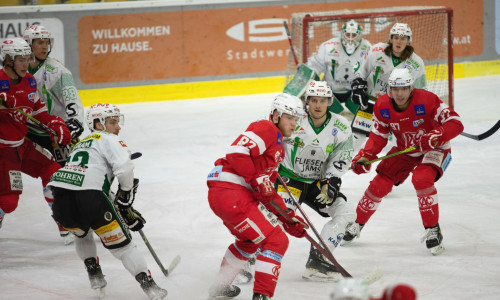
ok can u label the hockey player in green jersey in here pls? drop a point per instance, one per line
(317, 154)
(55, 86)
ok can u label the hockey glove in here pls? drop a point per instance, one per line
(293, 224)
(132, 218)
(125, 199)
(358, 163)
(8, 101)
(62, 136)
(263, 188)
(330, 189)
(75, 128)
(431, 139)
(359, 95)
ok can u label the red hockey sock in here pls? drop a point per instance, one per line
(379, 187)
(428, 206)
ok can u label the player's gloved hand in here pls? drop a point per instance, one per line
(125, 199)
(431, 139)
(330, 189)
(359, 95)
(293, 224)
(357, 164)
(263, 188)
(63, 136)
(132, 218)
(75, 128)
(8, 101)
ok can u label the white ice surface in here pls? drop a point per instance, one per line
(180, 140)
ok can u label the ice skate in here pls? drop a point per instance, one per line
(150, 287)
(319, 269)
(352, 231)
(434, 239)
(97, 281)
(258, 296)
(223, 292)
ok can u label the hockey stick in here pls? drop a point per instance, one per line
(45, 127)
(483, 135)
(291, 44)
(323, 248)
(390, 155)
(172, 265)
(176, 259)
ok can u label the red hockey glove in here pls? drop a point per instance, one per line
(8, 101)
(293, 224)
(431, 139)
(63, 136)
(263, 188)
(357, 164)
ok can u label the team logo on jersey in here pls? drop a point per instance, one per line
(4, 85)
(335, 131)
(417, 123)
(279, 138)
(32, 82)
(385, 113)
(31, 97)
(122, 143)
(419, 109)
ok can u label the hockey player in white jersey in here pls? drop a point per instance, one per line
(83, 203)
(338, 59)
(317, 154)
(55, 86)
(372, 77)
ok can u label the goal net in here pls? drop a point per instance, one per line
(432, 28)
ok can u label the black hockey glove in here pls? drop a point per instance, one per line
(330, 189)
(75, 128)
(359, 95)
(125, 199)
(132, 218)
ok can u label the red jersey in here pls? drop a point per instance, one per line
(258, 150)
(425, 112)
(13, 126)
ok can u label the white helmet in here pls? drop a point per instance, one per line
(400, 77)
(288, 104)
(101, 111)
(350, 288)
(14, 47)
(37, 32)
(351, 36)
(401, 29)
(319, 89)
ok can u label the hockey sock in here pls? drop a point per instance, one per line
(131, 258)
(379, 187)
(85, 247)
(234, 260)
(428, 206)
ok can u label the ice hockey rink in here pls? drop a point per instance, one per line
(180, 140)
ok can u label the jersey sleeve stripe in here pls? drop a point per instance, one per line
(238, 149)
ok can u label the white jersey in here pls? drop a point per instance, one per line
(377, 67)
(317, 153)
(55, 86)
(337, 65)
(93, 164)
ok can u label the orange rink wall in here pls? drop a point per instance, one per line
(215, 44)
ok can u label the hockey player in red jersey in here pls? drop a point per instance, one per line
(418, 118)
(18, 93)
(241, 193)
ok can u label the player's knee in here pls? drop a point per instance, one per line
(8, 203)
(423, 177)
(380, 186)
(277, 241)
(120, 252)
(246, 248)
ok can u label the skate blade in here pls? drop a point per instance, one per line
(314, 275)
(437, 250)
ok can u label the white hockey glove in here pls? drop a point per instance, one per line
(125, 199)
(329, 191)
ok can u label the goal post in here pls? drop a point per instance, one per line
(432, 37)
